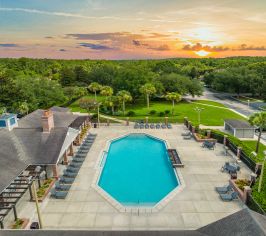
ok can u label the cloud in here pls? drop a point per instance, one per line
(163, 47)
(199, 46)
(62, 50)
(136, 42)
(48, 37)
(245, 47)
(95, 46)
(58, 13)
(8, 45)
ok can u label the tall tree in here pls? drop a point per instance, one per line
(110, 101)
(95, 87)
(258, 119)
(148, 89)
(107, 91)
(124, 96)
(174, 97)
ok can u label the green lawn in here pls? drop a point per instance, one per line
(212, 116)
(252, 145)
(207, 102)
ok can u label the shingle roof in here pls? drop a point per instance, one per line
(239, 124)
(79, 121)
(245, 223)
(27, 144)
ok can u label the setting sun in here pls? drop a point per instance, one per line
(202, 53)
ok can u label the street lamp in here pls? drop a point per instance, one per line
(98, 112)
(199, 110)
(261, 173)
(38, 175)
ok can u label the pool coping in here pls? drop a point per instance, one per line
(134, 209)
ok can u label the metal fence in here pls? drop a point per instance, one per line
(253, 205)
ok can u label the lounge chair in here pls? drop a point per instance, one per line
(75, 164)
(187, 133)
(187, 137)
(147, 126)
(169, 126)
(79, 160)
(136, 126)
(68, 174)
(141, 126)
(224, 189)
(58, 194)
(163, 126)
(66, 180)
(229, 196)
(72, 169)
(157, 126)
(62, 187)
(152, 126)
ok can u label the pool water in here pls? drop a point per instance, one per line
(137, 170)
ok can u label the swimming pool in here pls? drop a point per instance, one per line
(137, 170)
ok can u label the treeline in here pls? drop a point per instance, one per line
(28, 84)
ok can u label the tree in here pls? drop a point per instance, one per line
(67, 76)
(87, 104)
(124, 96)
(106, 91)
(148, 89)
(174, 97)
(2, 110)
(258, 119)
(95, 87)
(110, 102)
(23, 108)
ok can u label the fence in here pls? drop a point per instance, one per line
(253, 205)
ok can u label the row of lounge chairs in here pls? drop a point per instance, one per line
(175, 158)
(63, 185)
(152, 126)
(227, 193)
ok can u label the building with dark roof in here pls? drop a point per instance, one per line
(239, 128)
(42, 138)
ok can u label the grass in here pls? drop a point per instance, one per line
(210, 116)
(252, 145)
(207, 102)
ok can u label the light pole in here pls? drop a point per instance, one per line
(261, 173)
(40, 174)
(199, 110)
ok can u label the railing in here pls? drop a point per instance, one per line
(253, 205)
(250, 163)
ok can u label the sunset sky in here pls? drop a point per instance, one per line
(132, 29)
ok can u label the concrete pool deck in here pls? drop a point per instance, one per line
(195, 206)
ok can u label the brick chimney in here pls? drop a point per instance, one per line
(47, 121)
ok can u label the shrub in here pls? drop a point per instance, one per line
(166, 112)
(131, 113)
(152, 112)
(161, 113)
(241, 183)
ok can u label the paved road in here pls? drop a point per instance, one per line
(225, 99)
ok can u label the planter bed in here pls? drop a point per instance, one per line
(202, 139)
(20, 224)
(47, 190)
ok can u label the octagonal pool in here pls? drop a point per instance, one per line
(137, 170)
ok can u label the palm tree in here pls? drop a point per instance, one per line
(124, 96)
(174, 97)
(110, 102)
(23, 108)
(107, 91)
(148, 89)
(95, 87)
(258, 119)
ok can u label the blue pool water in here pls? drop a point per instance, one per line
(137, 170)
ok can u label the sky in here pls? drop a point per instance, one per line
(132, 29)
